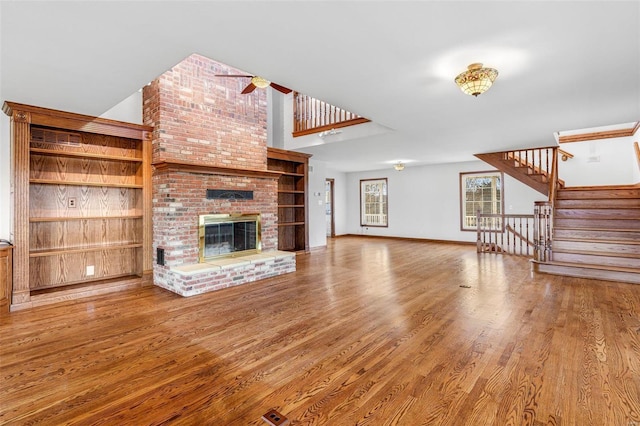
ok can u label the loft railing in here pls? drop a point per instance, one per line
(505, 233)
(311, 115)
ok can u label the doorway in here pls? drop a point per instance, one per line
(329, 205)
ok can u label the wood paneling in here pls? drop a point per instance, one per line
(52, 201)
(70, 268)
(73, 234)
(370, 331)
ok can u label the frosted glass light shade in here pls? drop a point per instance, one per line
(476, 79)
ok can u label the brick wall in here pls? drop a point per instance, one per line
(200, 117)
(203, 119)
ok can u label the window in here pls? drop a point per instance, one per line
(481, 191)
(373, 202)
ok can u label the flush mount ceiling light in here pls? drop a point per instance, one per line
(399, 166)
(476, 79)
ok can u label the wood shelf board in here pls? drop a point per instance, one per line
(77, 183)
(74, 218)
(56, 252)
(288, 206)
(290, 223)
(71, 154)
(285, 191)
(89, 287)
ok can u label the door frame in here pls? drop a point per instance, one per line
(331, 182)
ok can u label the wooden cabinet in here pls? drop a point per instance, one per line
(83, 185)
(293, 232)
(6, 274)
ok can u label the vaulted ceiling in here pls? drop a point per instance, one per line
(563, 65)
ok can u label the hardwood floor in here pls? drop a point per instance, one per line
(370, 332)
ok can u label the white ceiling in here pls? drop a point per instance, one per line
(563, 65)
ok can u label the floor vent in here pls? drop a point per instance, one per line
(273, 418)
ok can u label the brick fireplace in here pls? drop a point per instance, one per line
(208, 136)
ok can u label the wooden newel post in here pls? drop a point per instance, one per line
(478, 236)
(542, 230)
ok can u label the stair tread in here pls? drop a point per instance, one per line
(574, 228)
(597, 253)
(597, 240)
(599, 217)
(590, 266)
(622, 207)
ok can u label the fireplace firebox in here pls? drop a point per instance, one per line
(228, 235)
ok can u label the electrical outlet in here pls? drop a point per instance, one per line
(90, 270)
(71, 202)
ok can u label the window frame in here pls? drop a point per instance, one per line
(462, 195)
(364, 182)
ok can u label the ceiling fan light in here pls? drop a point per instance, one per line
(260, 82)
(476, 80)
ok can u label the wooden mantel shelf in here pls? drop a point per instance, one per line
(184, 166)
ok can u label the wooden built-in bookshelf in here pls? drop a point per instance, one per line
(82, 202)
(293, 232)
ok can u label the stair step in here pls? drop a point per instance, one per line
(628, 249)
(598, 213)
(619, 274)
(585, 203)
(575, 193)
(614, 223)
(596, 259)
(597, 234)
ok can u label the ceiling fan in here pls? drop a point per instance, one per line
(257, 82)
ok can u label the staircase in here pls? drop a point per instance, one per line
(530, 166)
(596, 234)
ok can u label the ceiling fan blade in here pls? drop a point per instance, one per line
(233, 75)
(250, 88)
(281, 88)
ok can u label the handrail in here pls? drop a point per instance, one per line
(311, 115)
(505, 233)
(565, 155)
(637, 148)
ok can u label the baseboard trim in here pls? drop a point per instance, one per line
(426, 240)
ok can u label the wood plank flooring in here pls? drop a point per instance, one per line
(370, 331)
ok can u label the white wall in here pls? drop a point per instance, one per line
(340, 200)
(424, 202)
(599, 162)
(129, 110)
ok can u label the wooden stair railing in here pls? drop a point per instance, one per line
(311, 115)
(534, 167)
(637, 149)
(505, 233)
